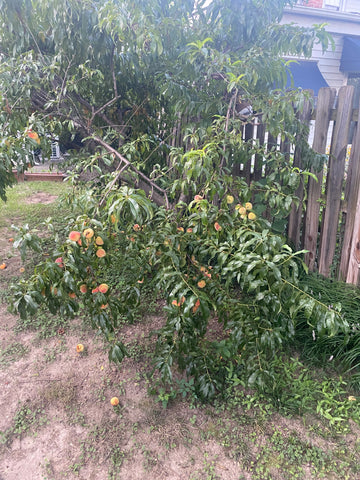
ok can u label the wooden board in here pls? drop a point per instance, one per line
(295, 218)
(325, 102)
(335, 179)
(349, 270)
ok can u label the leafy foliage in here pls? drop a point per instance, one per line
(142, 83)
(230, 284)
(152, 95)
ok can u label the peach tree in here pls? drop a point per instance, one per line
(149, 96)
(230, 284)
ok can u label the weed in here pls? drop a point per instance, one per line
(11, 353)
(48, 470)
(102, 443)
(286, 453)
(62, 392)
(51, 352)
(28, 418)
(117, 457)
(45, 324)
(208, 472)
(165, 395)
(150, 458)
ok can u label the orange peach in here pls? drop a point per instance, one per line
(33, 136)
(100, 253)
(74, 236)
(59, 262)
(88, 233)
(103, 288)
(99, 241)
(196, 306)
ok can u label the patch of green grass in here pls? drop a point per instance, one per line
(64, 395)
(208, 472)
(27, 420)
(48, 470)
(343, 351)
(284, 455)
(44, 323)
(11, 353)
(32, 213)
(101, 444)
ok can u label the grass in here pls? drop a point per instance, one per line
(43, 323)
(343, 351)
(32, 213)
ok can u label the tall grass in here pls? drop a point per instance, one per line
(342, 351)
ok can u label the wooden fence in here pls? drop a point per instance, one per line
(328, 227)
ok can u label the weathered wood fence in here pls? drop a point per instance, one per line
(329, 225)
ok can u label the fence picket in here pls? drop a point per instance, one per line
(335, 178)
(304, 229)
(350, 258)
(294, 225)
(325, 102)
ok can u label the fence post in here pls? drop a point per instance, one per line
(325, 102)
(350, 253)
(296, 211)
(335, 179)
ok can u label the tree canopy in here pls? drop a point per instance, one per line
(140, 81)
(157, 95)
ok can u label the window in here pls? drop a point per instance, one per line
(346, 6)
(333, 3)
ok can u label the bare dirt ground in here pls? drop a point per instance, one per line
(56, 420)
